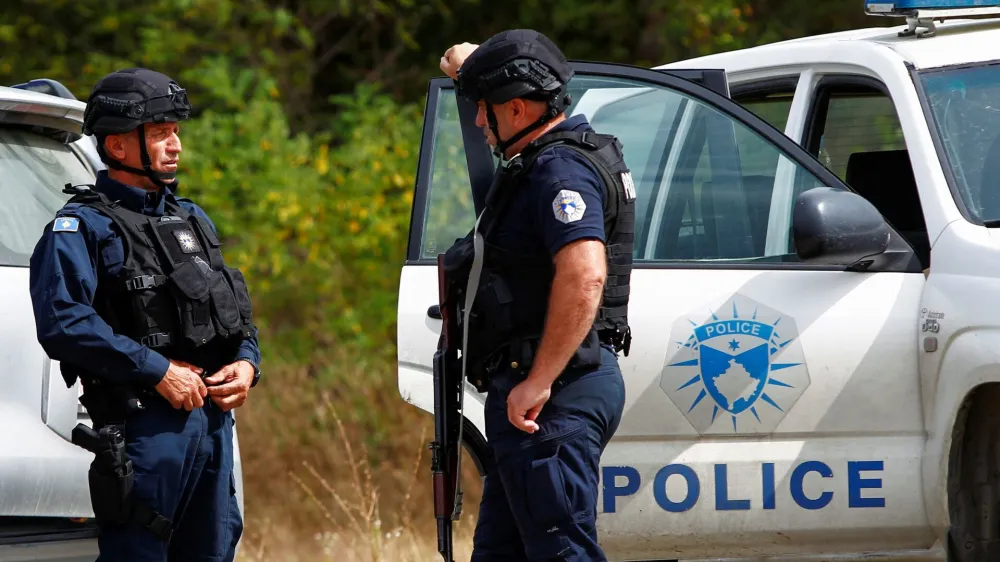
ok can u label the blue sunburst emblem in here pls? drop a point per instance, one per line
(739, 370)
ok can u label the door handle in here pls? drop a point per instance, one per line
(434, 312)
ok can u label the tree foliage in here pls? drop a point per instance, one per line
(307, 119)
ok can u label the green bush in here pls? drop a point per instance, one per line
(318, 225)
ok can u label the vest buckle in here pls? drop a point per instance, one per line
(155, 340)
(140, 283)
(587, 143)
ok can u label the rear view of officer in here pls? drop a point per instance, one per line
(132, 296)
(549, 314)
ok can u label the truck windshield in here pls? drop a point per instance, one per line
(965, 105)
(33, 170)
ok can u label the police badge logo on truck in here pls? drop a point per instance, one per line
(737, 371)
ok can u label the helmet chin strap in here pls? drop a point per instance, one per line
(161, 179)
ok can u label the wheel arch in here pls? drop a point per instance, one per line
(475, 444)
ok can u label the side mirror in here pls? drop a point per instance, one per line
(838, 227)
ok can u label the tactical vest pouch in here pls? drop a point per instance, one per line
(231, 305)
(224, 311)
(190, 283)
(242, 294)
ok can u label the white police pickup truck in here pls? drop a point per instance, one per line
(44, 495)
(813, 373)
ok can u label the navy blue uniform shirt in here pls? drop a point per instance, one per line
(66, 267)
(559, 201)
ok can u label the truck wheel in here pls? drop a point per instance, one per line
(974, 479)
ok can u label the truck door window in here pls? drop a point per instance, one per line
(643, 118)
(855, 131)
(33, 170)
(718, 203)
(450, 212)
(771, 100)
(852, 119)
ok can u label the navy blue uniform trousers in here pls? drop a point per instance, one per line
(183, 463)
(540, 501)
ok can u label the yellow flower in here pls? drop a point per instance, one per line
(322, 162)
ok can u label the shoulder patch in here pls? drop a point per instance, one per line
(66, 224)
(568, 206)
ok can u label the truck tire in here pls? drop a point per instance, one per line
(974, 479)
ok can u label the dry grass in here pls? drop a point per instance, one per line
(341, 476)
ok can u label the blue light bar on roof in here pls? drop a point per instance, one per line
(935, 4)
(908, 7)
(923, 13)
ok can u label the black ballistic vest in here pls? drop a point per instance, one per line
(174, 292)
(505, 327)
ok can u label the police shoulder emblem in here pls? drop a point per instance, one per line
(737, 371)
(568, 206)
(66, 224)
(188, 242)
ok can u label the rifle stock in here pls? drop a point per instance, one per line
(445, 447)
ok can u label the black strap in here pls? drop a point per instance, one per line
(106, 206)
(605, 313)
(162, 527)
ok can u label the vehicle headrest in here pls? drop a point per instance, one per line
(885, 178)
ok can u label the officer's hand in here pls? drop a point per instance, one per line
(230, 385)
(182, 386)
(454, 57)
(524, 403)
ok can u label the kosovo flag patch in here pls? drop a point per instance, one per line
(66, 224)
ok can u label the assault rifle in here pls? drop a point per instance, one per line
(448, 388)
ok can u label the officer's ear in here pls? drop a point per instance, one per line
(525, 112)
(116, 146)
(520, 112)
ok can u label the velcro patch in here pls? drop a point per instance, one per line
(189, 244)
(66, 224)
(568, 206)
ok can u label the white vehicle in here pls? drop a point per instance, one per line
(832, 404)
(45, 505)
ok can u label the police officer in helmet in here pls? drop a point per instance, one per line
(132, 296)
(549, 313)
